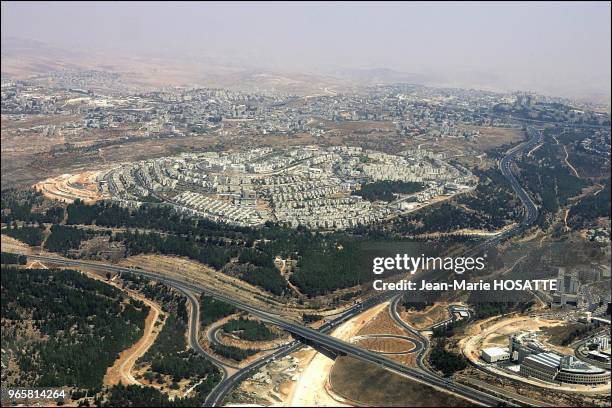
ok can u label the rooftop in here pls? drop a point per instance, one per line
(495, 351)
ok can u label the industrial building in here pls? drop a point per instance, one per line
(543, 366)
(552, 367)
(599, 356)
(495, 354)
(538, 362)
(523, 345)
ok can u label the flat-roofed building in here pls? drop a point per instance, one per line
(495, 354)
(597, 355)
(552, 367)
(543, 366)
(574, 371)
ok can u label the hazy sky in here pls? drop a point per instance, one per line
(537, 46)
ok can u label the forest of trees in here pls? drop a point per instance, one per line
(491, 206)
(170, 299)
(418, 306)
(324, 262)
(250, 330)
(487, 309)
(311, 318)
(549, 181)
(212, 310)
(386, 190)
(145, 243)
(64, 238)
(493, 198)
(137, 396)
(588, 210)
(327, 265)
(445, 361)
(320, 267)
(261, 271)
(30, 235)
(231, 352)
(13, 259)
(169, 355)
(73, 313)
(216, 243)
(17, 205)
(158, 218)
(267, 278)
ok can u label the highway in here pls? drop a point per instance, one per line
(424, 341)
(530, 214)
(194, 325)
(212, 335)
(215, 398)
(305, 333)
(531, 211)
(320, 337)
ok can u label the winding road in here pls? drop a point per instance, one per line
(320, 337)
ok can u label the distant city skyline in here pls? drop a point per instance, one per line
(560, 48)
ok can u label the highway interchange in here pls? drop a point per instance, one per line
(320, 338)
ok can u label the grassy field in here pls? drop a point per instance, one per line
(368, 384)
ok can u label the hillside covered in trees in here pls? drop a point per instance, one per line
(61, 328)
(250, 330)
(170, 359)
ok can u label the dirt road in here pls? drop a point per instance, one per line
(121, 370)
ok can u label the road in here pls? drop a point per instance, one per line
(530, 210)
(530, 215)
(212, 335)
(194, 325)
(121, 370)
(304, 333)
(320, 337)
(423, 341)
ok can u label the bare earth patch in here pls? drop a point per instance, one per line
(424, 319)
(310, 390)
(121, 370)
(370, 385)
(10, 244)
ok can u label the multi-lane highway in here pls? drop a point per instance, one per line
(305, 333)
(187, 287)
(320, 337)
(215, 398)
(531, 211)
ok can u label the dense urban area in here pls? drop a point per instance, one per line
(190, 246)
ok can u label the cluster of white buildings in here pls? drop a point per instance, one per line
(138, 180)
(307, 186)
(330, 213)
(218, 210)
(537, 362)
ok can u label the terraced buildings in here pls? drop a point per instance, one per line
(307, 186)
